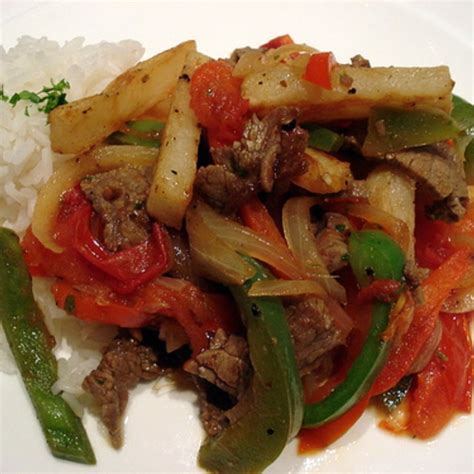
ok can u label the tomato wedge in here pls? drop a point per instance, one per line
(445, 385)
(436, 288)
(217, 102)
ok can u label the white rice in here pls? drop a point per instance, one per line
(26, 163)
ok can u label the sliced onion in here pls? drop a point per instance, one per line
(427, 350)
(460, 301)
(287, 288)
(397, 420)
(69, 173)
(211, 256)
(396, 228)
(246, 241)
(176, 284)
(401, 317)
(302, 242)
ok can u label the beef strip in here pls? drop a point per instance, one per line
(271, 149)
(214, 419)
(125, 363)
(225, 364)
(119, 197)
(438, 169)
(313, 331)
(223, 189)
(331, 241)
(222, 374)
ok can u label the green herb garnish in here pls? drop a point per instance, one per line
(49, 97)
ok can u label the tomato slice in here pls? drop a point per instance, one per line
(445, 385)
(217, 102)
(436, 288)
(94, 303)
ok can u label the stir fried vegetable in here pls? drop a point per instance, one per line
(274, 401)
(393, 129)
(190, 174)
(372, 256)
(31, 345)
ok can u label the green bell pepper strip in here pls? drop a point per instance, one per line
(372, 255)
(463, 113)
(392, 129)
(273, 404)
(469, 163)
(31, 344)
(323, 139)
(139, 132)
(146, 126)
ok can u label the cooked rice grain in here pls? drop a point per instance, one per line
(27, 161)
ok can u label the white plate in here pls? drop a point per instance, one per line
(163, 433)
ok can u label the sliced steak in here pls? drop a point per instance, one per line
(313, 331)
(125, 363)
(439, 170)
(223, 189)
(331, 241)
(271, 149)
(226, 364)
(222, 375)
(119, 197)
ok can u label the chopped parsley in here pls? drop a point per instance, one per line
(47, 99)
(340, 228)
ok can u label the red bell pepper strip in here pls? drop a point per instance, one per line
(135, 265)
(319, 68)
(92, 304)
(200, 314)
(436, 288)
(256, 216)
(381, 290)
(445, 385)
(277, 42)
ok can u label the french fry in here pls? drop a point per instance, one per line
(77, 126)
(355, 90)
(172, 186)
(325, 174)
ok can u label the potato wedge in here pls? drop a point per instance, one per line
(392, 191)
(325, 174)
(70, 172)
(77, 126)
(282, 85)
(172, 186)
